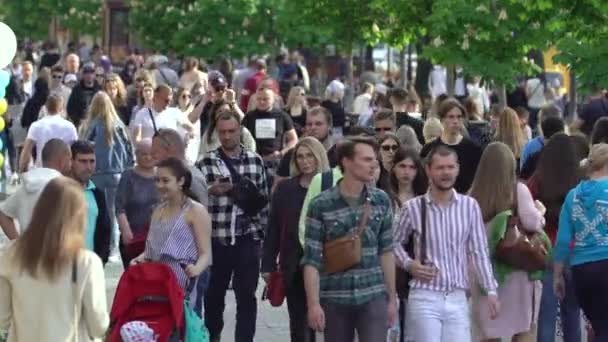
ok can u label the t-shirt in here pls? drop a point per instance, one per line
(407, 120)
(337, 112)
(92, 213)
(469, 154)
(591, 112)
(268, 129)
(168, 118)
(536, 93)
(51, 127)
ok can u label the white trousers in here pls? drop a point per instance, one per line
(434, 316)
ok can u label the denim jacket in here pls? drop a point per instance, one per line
(114, 158)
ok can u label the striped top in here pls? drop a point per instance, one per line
(171, 241)
(455, 233)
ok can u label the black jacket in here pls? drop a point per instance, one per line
(103, 227)
(34, 104)
(79, 101)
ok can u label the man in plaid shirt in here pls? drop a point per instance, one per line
(236, 237)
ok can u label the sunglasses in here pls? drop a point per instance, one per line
(57, 77)
(389, 147)
(383, 129)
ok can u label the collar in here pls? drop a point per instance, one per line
(240, 156)
(365, 194)
(455, 197)
(90, 186)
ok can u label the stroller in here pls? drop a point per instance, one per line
(149, 292)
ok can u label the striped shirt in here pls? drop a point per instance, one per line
(455, 234)
(331, 217)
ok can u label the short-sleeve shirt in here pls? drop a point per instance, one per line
(51, 127)
(268, 129)
(92, 213)
(168, 118)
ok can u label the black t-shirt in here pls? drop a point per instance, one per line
(405, 119)
(469, 154)
(268, 129)
(591, 112)
(337, 112)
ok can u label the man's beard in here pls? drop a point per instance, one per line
(441, 187)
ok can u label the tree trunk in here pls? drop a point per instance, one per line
(451, 80)
(403, 68)
(423, 69)
(410, 74)
(501, 92)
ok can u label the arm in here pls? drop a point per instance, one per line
(122, 197)
(94, 303)
(196, 113)
(201, 226)
(273, 237)
(401, 236)
(531, 219)
(26, 154)
(292, 139)
(311, 285)
(387, 258)
(477, 246)
(8, 210)
(8, 226)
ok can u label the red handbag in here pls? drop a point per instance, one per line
(275, 288)
(137, 245)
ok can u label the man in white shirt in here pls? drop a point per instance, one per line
(27, 80)
(56, 160)
(149, 120)
(49, 127)
(438, 81)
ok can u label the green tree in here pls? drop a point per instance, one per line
(490, 38)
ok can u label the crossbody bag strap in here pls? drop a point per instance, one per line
(235, 175)
(153, 120)
(367, 208)
(423, 209)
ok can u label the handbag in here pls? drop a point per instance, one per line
(245, 193)
(137, 245)
(345, 252)
(520, 249)
(194, 327)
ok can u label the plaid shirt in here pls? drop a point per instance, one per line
(222, 209)
(331, 217)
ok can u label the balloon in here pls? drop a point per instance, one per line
(5, 78)
(1, 160)
(2, 93)
(1, 147)
(3, 107)
(2, 124)
(9, 45)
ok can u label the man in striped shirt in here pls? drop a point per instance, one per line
(455, 234)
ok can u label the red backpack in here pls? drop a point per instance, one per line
(149, 292)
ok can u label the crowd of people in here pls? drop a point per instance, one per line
(387, 219)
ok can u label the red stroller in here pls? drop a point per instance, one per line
(149, 292)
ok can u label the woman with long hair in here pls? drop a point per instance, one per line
(51, 287)
(139, 94)
(308, 159)
(557, 172)
(113, 151)
(297, 105)
(389, 144)
(497, 190)
(186, 106)
(115, 88)
(407, 180)
(509, 132)
(581, 242)
(180, 231)
(192, 74)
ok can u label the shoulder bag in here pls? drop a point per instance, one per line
(244, 192)
(345, 252)
(520, 249)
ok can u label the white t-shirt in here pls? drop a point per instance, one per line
(171, 118)
(536, 93)
(51, 127)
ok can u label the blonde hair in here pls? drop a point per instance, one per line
(121, 94)
(509, 131)
(494, 183)
(432, 129)
(55, 234)
(293, 95)
(317, 150)
(598, 158)
(102, 108)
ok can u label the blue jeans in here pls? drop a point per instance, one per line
(201, 289)
(108, 183)
(570, 312)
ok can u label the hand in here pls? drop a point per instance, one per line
(229, 95)
(422, 272)
(392, 312)
(494, 306)
(540, 207)
(220, 189)
(126, 236)
(266, 277)
(193, 271)
(137, 260)
(316, 318)
(559, 285)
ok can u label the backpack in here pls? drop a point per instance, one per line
(149, 292)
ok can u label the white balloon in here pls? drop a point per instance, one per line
(8, 41)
